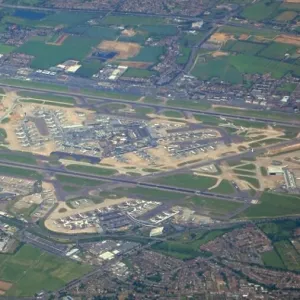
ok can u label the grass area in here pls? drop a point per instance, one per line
(215, 206)
(46, 102)
(31, 270)
(109, 94)
(138, 73)
(217, 68)
(64, 179)
(249, 167)
(188, 248)
(208, 119)
(89, 68)
(278, 50)
(288, 87)
(148, 193)
(172, 114)
(243, 47)
(113, 106)
(201, 105)
(276, 116)
(91, 170)
(243, 172)
(26, 158)
(253, 181)
(132, 20)
(178, 250)
(263, 171)
(286, 16)
(279, 230)
(150, 170)
(47, 96)
(225, 187)
(272, 259)
(152, 100)
(187, 181)
(265, 142)
(5, 49)
(149, 54)
(184, 54)
(143, 111)
(237, 31)
(46, 56)
(260, 10)
(70, 188)
(18, 172)
(274, 205)
(31, 84)
(288, 254)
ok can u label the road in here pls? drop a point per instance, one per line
(292, 123)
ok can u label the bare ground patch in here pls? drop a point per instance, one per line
(125, 50)
(288, 39)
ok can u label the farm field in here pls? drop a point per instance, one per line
(31, 270)
(244, 47)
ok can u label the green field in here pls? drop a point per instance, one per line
(18, 172)
(188, 248)
(261, 10)
(256, 113)
(218, 68)
(89, 68)
(225, 187)
(265, 142)
(157, 30)
(47, 96)
(138, 73)
(113, 106)
(278, 51)
(214, 206)
(172, 114)
(243, 172)
(5, 49)
(149, 54)
(132, 20)
(253, 181)
(46, 56)
(143, 111)
(91, 170)
(288, 254)
(31, 270)
(249, 167)
(187, 181)
(65, 179)
(237, 31)
(274, 205)
(26, 158)
(183, 55)
(148, 193)
(243, 47)
(272, 259)
(201, 105)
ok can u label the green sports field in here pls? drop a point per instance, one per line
(31, 270)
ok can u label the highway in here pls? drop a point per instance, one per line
(292, 123)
